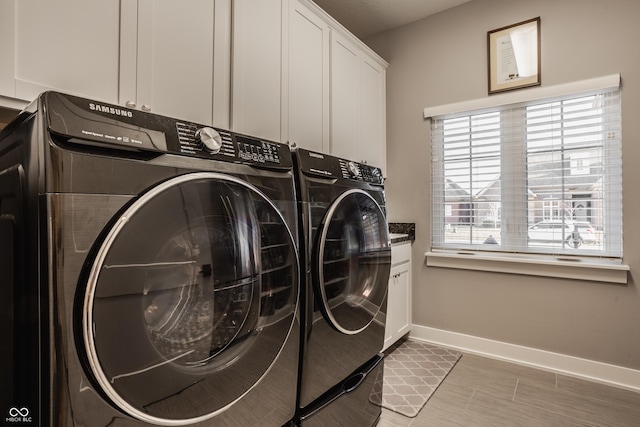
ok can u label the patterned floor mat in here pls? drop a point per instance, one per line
(412, 372)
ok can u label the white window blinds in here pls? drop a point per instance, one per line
(542, 177)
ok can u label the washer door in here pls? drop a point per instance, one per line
(353, 261)
(190, 299)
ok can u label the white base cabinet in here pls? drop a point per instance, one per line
(398, 319)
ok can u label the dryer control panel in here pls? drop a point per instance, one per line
(324, 165)
(90, 123)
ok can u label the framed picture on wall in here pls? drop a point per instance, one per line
(514, 56)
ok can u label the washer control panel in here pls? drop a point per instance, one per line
(115, 129)
(211, 142)
(191, 138)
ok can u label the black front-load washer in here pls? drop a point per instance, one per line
(346, 259)
(149, 271)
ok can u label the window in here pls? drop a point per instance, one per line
(539, 177)
(551, 209)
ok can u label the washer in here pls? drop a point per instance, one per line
(149, 271)
(346, 258)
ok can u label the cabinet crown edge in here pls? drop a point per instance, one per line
(337, 26)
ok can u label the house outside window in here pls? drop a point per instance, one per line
(541, 177)
(551, 210)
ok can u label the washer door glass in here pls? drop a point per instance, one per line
(190, 299)
(353, 261)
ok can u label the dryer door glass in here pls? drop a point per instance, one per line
(353, 261)
(190, 298)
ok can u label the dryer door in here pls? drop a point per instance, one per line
(352, 262)
(190, 298)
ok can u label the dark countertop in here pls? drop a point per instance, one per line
(402, 232)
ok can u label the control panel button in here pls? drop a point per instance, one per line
(210, 139)
(257, 150)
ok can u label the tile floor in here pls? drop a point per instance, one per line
(481, 392)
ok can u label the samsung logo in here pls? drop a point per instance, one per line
(110, 110)
(316, 155)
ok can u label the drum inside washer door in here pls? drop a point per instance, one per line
(190, 298)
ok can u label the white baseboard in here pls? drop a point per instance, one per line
(573, 366)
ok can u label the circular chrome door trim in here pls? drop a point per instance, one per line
(320, 271)
(87, 315)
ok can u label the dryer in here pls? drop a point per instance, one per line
(346, 260)
(149, 271)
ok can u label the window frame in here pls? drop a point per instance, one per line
(459, 256)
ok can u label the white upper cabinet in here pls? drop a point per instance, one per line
(307, 109)
(66, 45)
(168, 57)
(257, 68)
(358, 98)
(345, 82)
(372, 110)
(282, 70)
(175, 58)
(337, 89)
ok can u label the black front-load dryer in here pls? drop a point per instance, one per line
(149, 271)
(346, 260)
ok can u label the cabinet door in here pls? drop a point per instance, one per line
(257, 68)
(178, 63)
(66, 45)
(391, 320)
(308, 79)
(372, 113)
(358, 111)
(398, 304)
(345, 81)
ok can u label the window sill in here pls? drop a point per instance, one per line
(591, 270)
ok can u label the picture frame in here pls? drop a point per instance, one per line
(514, 56)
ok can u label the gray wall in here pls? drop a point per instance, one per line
(442, 59)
